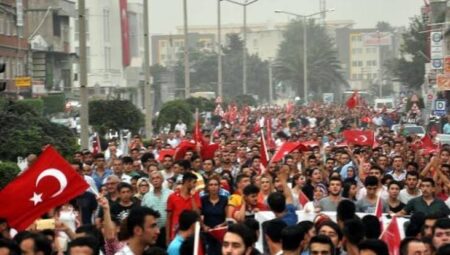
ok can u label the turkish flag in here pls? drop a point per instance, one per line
(358, 137)
(287, 148)
(352, 102)
(218, 233)
(182, 148)
(263, 151)
(198, 135)
(302, 198)
(48, 183)
(209, 150)
(270, 140)
(391, 236)
(379, 211)
(165, 152)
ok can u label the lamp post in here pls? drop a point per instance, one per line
(187, 75)
(305, 48)
(244, 46)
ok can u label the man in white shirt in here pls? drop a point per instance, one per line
(398, 171)
(411, 190)
(180, 126)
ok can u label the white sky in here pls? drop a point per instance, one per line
(165, 15)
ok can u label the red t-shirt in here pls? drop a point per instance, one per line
(177, 204)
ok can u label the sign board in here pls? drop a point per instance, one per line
(443, 82)
(440, 105)
(447, 65)
(436, 50)
(328, 98)
(377, 39)
(23, 81)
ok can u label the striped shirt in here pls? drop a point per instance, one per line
(159, 203)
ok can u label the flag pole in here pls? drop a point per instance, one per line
(196, 237)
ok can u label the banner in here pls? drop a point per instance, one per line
(123, 5)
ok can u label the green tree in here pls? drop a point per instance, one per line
(204, 71)
(324, 72)
(410, 67)
(24, 131)
(173, 111)
(115, 115)
(8, 171)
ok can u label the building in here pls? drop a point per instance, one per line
(105, 57)
(13, 44)
(363, 52)
(51, 61)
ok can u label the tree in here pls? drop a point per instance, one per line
(24, 131)
(173, 111)
(324, 71)
(204, 71)
(410, 67)
(116, 115)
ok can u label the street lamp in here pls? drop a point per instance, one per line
(244, 46)
(219, 52)
(305, 49)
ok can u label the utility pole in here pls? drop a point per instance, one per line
(84, 111)
(147, 84)
(305, 60)
(244, 54)
(219, 52)
(380, 74)
(187, 69)
(270, 83)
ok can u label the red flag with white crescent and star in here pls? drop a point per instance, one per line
(391, 236)
(287, 148)
(359, 137)
(50, 182)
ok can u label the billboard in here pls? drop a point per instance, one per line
(377, 39)
(443, 82)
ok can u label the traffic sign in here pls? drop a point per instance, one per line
(23, 81)
(440, 105)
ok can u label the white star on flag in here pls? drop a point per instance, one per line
(37, 198)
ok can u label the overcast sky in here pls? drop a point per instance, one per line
(165, 15)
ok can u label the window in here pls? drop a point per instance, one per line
(369, 63)
(354, 63)
(374, 75)
(162, 44)
(369, 76)
(354, 76)
(106, 25)
(353, 51)
(360, 63)
(360, 76)
(2, 23)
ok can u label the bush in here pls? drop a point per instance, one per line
(243, 100)
(54, 103)
(173, 111)
(36, 104)
(8, 171)
(24, 131)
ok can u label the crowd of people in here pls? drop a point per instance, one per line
(147, 202)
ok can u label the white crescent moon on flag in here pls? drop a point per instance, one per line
(362, 138)
(58, 175)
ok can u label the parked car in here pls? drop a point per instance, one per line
(410, 129)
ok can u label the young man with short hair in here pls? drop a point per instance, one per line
(272, 234)
(321, 245)
(250, 204)
(181, 200)
(237, 198)
(373, 247)
(368, 203)
(238, 240)
(441, 233)
(412, 246)
(292, 240)
(186, 228)
(142, 229)
(330, 203)
(427, 203)
(85, 245)
(410, 190)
